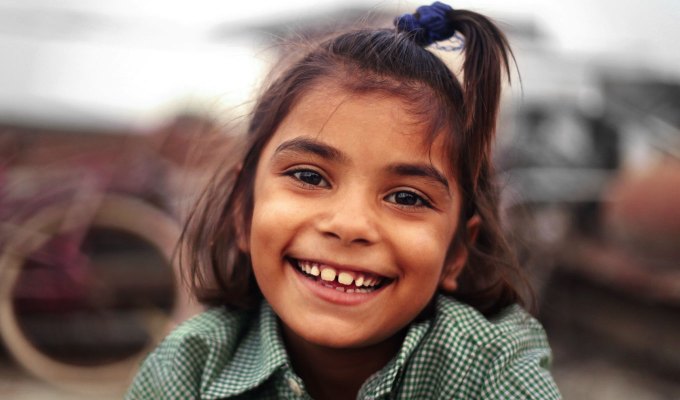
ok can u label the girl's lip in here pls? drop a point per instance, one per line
(331, 294)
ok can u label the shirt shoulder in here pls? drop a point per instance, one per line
(471, 356)
(216, 326)
(513, 322)
(184, 361)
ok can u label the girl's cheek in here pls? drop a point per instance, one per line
(427, 244)
(273, 214)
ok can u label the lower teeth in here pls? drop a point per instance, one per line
(342, 289)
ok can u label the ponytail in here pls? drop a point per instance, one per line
(486, 57)
(487, 54)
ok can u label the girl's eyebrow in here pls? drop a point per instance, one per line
(421, 170)
(306, 145)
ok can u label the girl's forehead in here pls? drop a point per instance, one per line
(331, 111)
(371, 124)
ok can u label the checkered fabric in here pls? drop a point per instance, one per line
(458, 354)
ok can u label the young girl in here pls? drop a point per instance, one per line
(355, 251)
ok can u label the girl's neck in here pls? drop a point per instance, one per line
(331, 373)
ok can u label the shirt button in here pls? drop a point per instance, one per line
(294, 386)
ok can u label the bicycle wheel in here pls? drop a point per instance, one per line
(118, 215)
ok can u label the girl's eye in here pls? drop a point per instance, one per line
(407, 199)
(309, 177)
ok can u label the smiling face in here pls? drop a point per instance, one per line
(353, 216)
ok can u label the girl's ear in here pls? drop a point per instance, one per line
(449, 280)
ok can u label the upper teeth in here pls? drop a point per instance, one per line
(330, 274)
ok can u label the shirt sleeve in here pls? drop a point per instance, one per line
(519, 369)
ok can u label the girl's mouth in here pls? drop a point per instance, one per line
(345, 281)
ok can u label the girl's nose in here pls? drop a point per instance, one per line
(350, 218)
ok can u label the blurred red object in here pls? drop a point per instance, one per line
(643, 211)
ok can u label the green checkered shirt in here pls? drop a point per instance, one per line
(458, 354)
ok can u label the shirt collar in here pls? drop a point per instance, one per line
(382, 382)
(261, 353)
(257, 357)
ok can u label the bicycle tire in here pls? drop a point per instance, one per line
(114, 212)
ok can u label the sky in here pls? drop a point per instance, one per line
(581, 25)
(137, 60)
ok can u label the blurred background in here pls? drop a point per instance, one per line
(112, 115)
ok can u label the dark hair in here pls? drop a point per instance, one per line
(390, 62)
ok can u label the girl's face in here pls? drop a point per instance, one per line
(353, 216)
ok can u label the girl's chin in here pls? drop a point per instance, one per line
(337, 336)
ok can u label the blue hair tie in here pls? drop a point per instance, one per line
(428, 24)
